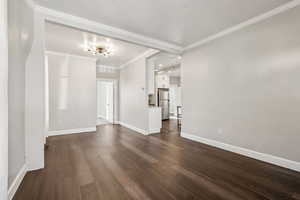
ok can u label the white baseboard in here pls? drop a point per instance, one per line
(3, 187)
(154, 131)
(71, 131)
(16, 183)
(173, 117)
(293, 165)
(101, 116)
(102, 122)
(134, 128)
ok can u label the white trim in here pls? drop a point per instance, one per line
(254, 20)
(71, 55)
(101, 116)
(103, 123)
(108, 80)
(134, 128)
(106, 30)
(17, 182)
(145, 54)
(173, 117)
(153, 131)
(3, 99)
(108, 67)
(47, 105)
(246, 152)
(72, 131)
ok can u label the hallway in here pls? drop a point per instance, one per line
(117, 163)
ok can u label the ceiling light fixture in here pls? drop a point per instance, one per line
(96, 49)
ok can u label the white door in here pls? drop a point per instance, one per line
(101, 99)
(110, 102)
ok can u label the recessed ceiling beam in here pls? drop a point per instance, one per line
(116, 33)
(105, 30)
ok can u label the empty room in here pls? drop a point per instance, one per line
(149, 100)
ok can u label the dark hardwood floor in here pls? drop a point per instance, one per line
(116, 163)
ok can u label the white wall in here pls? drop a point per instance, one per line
(107, 72)
(20, 24)
(3, 100)
(243, 89)
(133, 101)
(35, 103)
(72, 92)
(114, 75)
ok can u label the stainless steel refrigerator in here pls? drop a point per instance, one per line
(164, 102)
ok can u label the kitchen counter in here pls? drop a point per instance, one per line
(155, 121)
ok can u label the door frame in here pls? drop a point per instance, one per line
(3, 99)
(115, 97)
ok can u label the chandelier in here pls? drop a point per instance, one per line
(96, 49)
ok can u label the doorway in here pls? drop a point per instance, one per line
(166, 93)
(105, 102)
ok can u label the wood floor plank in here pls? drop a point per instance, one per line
(116, 163)
(130, 186)
(89, 192)
(139, 152)
(107, 184)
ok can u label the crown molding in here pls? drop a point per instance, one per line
(254, 20)
(109, 31)
(108, 67)
(102, 29)
(145, 54)
(67, 54)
